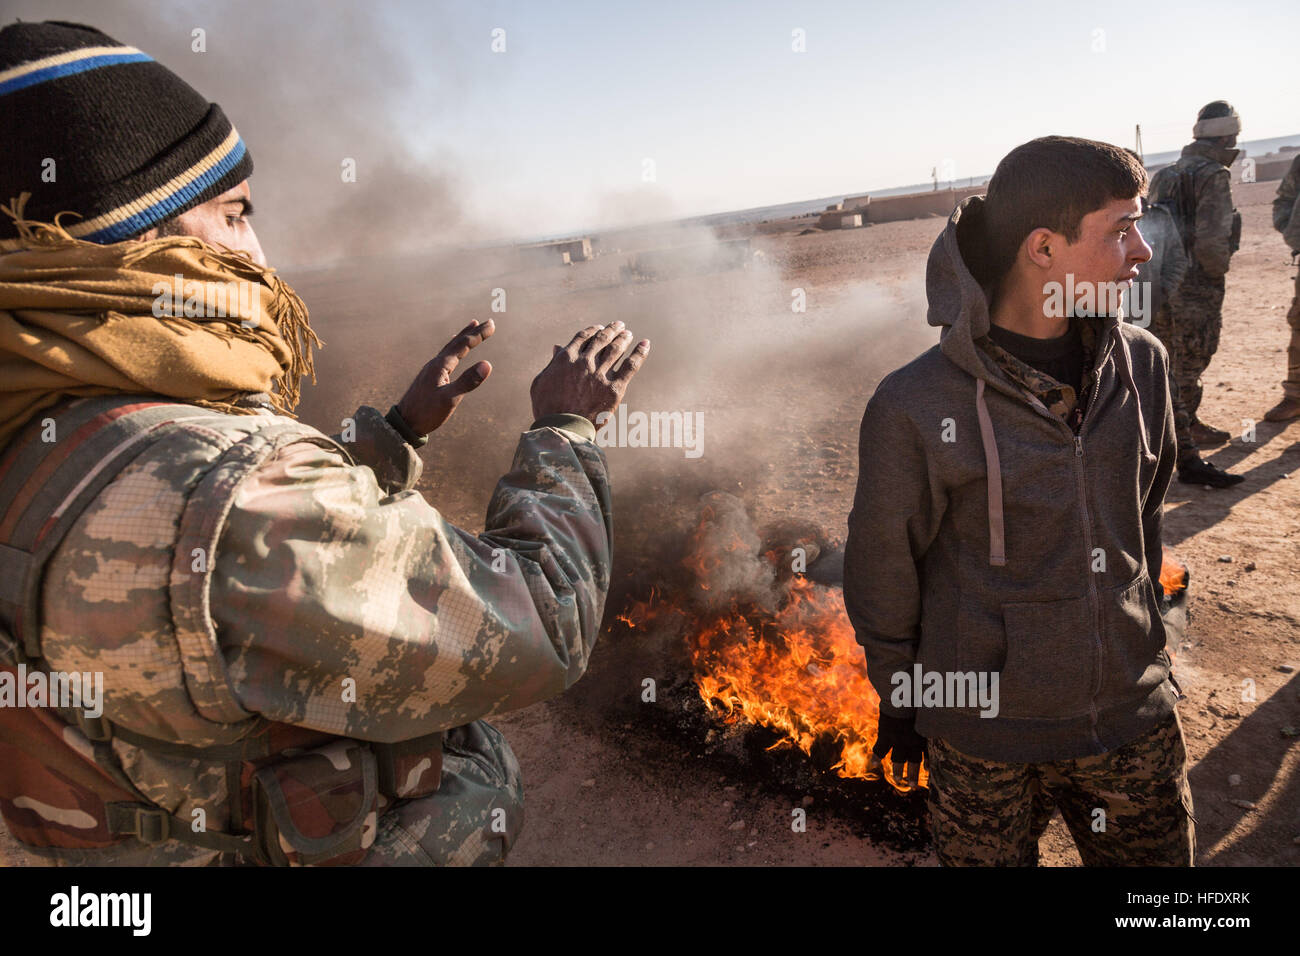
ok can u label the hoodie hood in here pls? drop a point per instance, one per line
(959, 305)
(958, 302)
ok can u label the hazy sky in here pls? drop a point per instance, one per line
(553, 134)
(733, 117)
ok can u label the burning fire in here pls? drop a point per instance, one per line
(784, 655)
(1173, 574)
(800, 672)
(779, 654)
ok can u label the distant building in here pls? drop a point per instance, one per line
(834, 219)
(562, 252)
(866, 210)
(579, 250)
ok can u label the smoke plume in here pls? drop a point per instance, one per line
(310, 85)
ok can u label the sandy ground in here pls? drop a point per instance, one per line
(783, 394)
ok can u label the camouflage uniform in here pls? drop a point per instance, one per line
(1163, 276)
(1286, 220)
(990, 813)
(1057, 398)
(245, 570)
(1215, 235)
(1165, 328)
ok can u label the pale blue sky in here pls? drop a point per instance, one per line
(551, 135)
(712, 92)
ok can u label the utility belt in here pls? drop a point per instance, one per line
(295, 796)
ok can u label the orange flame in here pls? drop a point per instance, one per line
(640, 613)
(805, 677)
(1173, 574)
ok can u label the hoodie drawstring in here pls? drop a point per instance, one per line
(997, 522)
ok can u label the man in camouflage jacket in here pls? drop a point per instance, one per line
(1158, 282)
(296, 649)
(1201, 181)
(1286, 220)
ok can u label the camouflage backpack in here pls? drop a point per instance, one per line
(1173, 189)
(290, 795)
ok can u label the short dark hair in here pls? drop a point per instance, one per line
(1053, 182)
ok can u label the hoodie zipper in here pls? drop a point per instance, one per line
(1094, 598)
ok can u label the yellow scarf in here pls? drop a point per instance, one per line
(171, 316)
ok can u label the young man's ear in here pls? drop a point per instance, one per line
(1039, 245)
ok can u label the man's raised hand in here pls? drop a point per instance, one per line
(579, 379)
(433, 396)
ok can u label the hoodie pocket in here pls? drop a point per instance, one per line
(1051, 659)
(1135, 638)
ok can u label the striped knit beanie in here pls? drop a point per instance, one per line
(98, 128)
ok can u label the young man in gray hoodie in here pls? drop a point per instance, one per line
(1004, 549)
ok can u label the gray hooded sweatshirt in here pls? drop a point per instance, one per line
(987, 538)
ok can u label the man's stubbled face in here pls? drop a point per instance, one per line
(222, 222)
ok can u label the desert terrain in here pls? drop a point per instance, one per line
(612, 779)
(782, 395)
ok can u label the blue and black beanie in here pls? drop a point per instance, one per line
(102, 130)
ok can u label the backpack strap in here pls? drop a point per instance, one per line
(49, 474)
(1187, 208)
(153, 825)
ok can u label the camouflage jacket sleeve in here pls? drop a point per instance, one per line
(374, 443)
(1286, 207)
(348, 610)
(1214, 214)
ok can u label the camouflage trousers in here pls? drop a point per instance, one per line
(1129, 807)
(1162, 327)
(472, 819)
(1193, 334)
(1291, 386)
